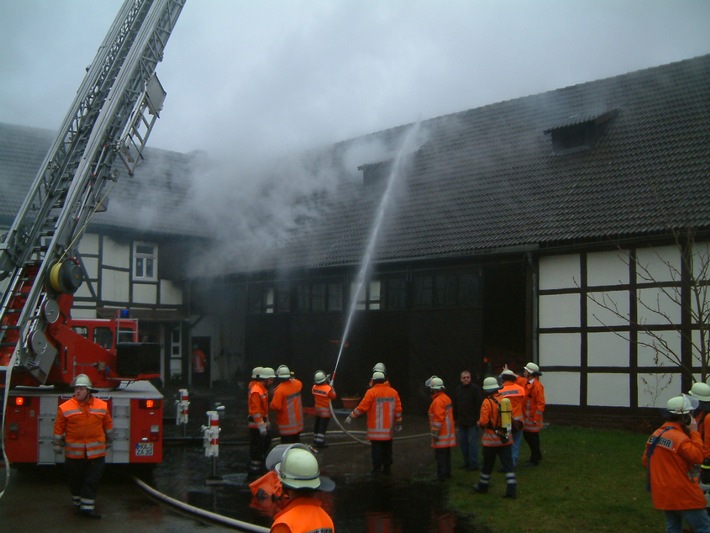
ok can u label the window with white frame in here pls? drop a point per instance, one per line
(145, 261)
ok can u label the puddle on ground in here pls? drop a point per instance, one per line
(409, 500)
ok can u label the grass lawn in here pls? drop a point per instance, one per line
(589, 480)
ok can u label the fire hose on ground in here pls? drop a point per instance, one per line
(190, 509)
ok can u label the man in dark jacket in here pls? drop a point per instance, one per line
(467, 400)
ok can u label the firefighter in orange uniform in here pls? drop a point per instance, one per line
(441, 426)
(517, 396)
(288, 405)
(199, 366)
(384, 416)
(300, 477)
(701, 392)
(496, 441)
(83, 429)
(323, 393)
(534, 408)
(258, 406)
(670, 454)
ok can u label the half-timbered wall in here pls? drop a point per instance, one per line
(611, 326)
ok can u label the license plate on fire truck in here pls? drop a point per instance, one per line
(144, 449)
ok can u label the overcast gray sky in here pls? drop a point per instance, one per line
(256, 77)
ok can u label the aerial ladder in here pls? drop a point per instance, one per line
(111, 117)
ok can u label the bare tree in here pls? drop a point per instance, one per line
(689, 290)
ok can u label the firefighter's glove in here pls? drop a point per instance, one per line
(349, 419)
(263, 430)
(398, 428)
(435, 436)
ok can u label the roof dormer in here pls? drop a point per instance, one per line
(579, 133)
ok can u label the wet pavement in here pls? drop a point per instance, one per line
(409, 500)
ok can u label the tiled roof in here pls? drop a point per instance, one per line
(152, 202)
(488, 178)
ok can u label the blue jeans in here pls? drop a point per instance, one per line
(468, 442)
(517, 437)
(698, 519)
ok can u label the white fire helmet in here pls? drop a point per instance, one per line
(681, 405)
(533, 369)
(435, 383)
(255, 373)
(491, 385)
(378, 376)
(319, 377)
(701, 391)
(283, 372)
(379, 367)
(266, 373)
(298, 469)
(82, 380)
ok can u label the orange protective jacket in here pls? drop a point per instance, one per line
(322, 394)
(441, 421)
(703, 420)
(84, 428)
(534, 406)
(258, 405)
(516, 394)
(288, 406)
(670, 466)
(199, 360)
(303, 515)
(384, 410)
(490, 419)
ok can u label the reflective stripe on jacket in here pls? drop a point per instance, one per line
(322, 394)
(303, 515)
(384, 409)
(84, 428)
(258, 405)
(441, 420)
(288, 406)
(670, 467)
(490, 419)
(534, 406)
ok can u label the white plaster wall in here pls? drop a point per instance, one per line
(666, 341)
(78, 312)
(608, 349)
(558, 310)
(116, 254)
(170, 294)
(658, 264)
(656, 389)
(610, 390)
(92, 266)
(559, 349)
(89, 244)
(557, 272)
(659, 306)
(608, 308)
(701, 259)
(608, 268)
(561, 388)
(145, 293)
(114, 286)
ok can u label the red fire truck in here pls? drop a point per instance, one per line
(42, 348)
